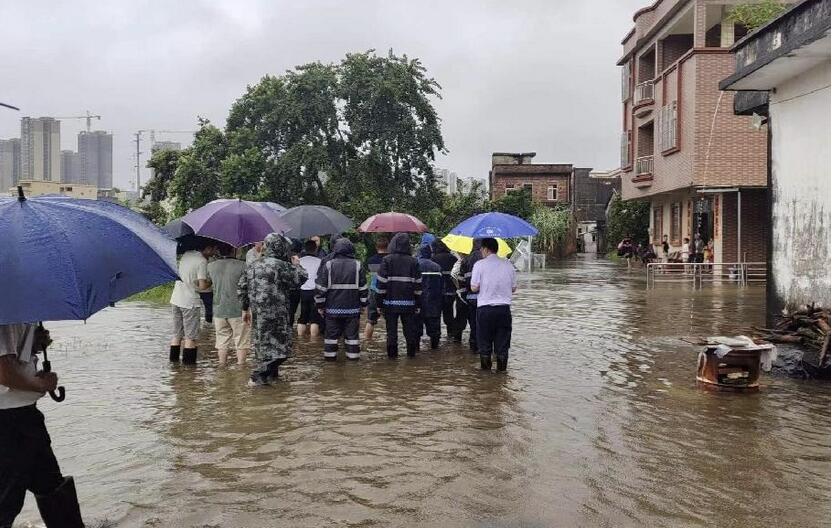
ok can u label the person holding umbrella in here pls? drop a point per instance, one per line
(433, 287)
(231, 332)
(26, 458)
(399, 292)
(469, 295)
(494, 280)
(264, 294)
(185, 301)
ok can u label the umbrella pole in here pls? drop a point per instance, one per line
(531, 254)
(47, 367)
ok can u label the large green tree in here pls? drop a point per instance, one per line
(630, 218)
(198, 177)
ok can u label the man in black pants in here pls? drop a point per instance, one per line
(399, 295)
(468, 294)
(442, 256)
(26, 458)
(494, 280)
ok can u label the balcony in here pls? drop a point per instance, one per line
(643, 97)
(644, 171)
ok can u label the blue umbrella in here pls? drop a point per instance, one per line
(494, 225)
(65, 258)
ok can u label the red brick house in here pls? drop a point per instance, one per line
(549, 183)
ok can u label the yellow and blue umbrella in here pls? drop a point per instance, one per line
(464, 244)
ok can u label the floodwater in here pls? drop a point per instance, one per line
(598, 422)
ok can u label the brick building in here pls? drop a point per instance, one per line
(702, 168)
(549, 183)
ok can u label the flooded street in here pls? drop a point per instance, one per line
(598, 422)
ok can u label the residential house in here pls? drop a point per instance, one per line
(549, 183)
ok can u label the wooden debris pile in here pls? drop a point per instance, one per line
(807, 327)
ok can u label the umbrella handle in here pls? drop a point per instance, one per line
(59, 394)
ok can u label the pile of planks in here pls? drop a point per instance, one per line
(808, 327)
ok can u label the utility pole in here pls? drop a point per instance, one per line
(138, 163)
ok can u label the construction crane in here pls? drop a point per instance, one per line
(10, 106)
(89, 117)
(138, 140)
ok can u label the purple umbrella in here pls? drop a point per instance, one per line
(236, 222)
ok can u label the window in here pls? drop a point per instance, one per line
(509, 188)
(657, 225)
(527, 187)
(552, 193)
(676, 223)
(626, 138)
(626, 80)
(667, 123)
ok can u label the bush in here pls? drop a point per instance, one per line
(631, 218)
(553, 227)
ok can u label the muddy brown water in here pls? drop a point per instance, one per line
(598, 422)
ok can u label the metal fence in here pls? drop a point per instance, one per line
(700, 274)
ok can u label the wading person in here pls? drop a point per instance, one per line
(254, 253)
(399, 292)
(186, 302)
(341, 295)
(494, 279)
(264, 294)
(433, 288)
(442, 256)
(229, 328)
(698, 248)
(27, 462)
(469, 294)
(373, 265)
(309, 317)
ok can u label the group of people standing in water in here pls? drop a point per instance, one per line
(255, 302)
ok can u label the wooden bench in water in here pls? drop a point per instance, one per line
(736, 371)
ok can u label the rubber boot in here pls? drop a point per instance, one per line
(485, 362)
(189, 356)
(411, 350)
(60, 508)
(502, 364)
(434, 343)
(174, 353)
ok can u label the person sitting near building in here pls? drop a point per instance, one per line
(229, 328)
(494, 280)
(309, 317)
(625, 248)
(186, 302)
(698, 248)
(341, 289)
(399, 295)
(433, 289)
(373, 265)
(264, 294)
(27, 462)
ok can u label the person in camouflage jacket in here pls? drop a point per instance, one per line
(264, 292)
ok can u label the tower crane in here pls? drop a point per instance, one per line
(153, 132)
(89, 117)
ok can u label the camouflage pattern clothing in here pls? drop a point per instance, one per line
(264, 288)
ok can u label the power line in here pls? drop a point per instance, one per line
(801, 95)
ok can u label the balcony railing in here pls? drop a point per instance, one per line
(644, 166)
(644, 92)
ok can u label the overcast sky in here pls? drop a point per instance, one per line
(516, 76)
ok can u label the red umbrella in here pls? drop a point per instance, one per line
(392, 223)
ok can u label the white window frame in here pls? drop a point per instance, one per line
(550, 196)
(668, 116)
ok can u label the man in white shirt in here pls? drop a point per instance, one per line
(186, 302)
(494, 281)
(26, 458)
(309, 315)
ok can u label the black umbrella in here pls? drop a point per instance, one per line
(177, 228)
(312, 220)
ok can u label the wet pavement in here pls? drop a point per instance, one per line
(598, 422)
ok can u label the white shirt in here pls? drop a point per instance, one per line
(496, 279)
(311, 265)
(192, 267)
(17, 340)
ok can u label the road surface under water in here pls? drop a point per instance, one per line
(598, 422)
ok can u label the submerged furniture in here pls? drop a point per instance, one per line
(734, 366)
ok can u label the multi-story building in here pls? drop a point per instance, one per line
(95, 150)
(70, 167)
(549, 183)
(702, 168)
(447, 181)
(782, 74)
(9, 162)
(40, 149)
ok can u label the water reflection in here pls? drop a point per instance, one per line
(597, 423)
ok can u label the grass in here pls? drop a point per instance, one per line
(158, 295)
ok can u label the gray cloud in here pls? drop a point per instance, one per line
(530, 75)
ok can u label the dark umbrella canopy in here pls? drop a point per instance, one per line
(66, 258)
(177, 228)
(312, 220)
(236, 222)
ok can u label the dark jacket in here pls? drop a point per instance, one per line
(467, 269)
(333, 244)
(373, 265)
(442, 256)
(341, 285)
(433, 285)
(399, 278)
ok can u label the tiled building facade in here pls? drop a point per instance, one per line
(549, 183)
(682, 147)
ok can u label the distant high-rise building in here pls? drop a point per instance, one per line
(95, 150)
(40, 149)
(447, 180)
(165, 145)
(70, 167)
(9, 163)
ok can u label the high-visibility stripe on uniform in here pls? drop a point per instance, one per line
(401, 302)
(354, 342)
(343, 311)
(402, 279)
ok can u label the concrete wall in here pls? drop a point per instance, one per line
(800, 161)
